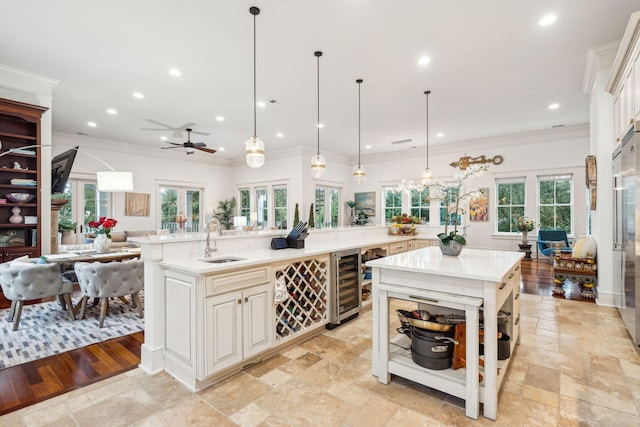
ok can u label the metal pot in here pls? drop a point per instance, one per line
(422, 319)
(430, 349)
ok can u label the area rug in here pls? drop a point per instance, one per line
(45, 329)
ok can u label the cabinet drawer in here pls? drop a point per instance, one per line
(510, 283)
(395, 248)
(236, 280)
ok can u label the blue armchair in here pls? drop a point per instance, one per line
(551, 240)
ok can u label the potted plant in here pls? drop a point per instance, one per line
(66, 228)
(296, 216)
(224, 212)
(312, 222)
(451, 243)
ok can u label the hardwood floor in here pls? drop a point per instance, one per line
(33, 382)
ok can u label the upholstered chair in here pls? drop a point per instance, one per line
(551, 242)
(26, 281)
(108, 280)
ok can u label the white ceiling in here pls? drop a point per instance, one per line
(493, 69)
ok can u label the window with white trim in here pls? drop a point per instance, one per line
(555, 202)
(420, 205)
(392, 203)
(510, 203)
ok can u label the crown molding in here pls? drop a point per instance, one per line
(629, 39)
(599, 58)
(26, 81)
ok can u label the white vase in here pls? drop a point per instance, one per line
(102, 243)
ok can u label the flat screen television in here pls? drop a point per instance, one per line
(60, 169)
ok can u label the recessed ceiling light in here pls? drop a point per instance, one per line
(261, 104)
(320, 125)
(547, 20)
(138, 95)
(221, 149)
(112, 111)
(279, 134)
(424, 60)
(553, 106)
(92, 124)
(164, 138)
(175, 72)
(368, 146)
(440, 135)
(220, 118)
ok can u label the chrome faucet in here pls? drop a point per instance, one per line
(208, 249)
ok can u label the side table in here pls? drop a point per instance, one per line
(579, 270)
(526, 248)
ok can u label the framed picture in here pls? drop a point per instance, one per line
(366, 202)
(479, 206)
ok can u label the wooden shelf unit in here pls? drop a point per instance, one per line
(20, 126)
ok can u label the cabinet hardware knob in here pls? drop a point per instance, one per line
(517, 296)
(239, 300)
(503, 285)
(246, 299)
(517, 268)
(517, 320)
(617, 139)
(511, 276)
(631, 121)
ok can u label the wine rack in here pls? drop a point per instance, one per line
(306, 305)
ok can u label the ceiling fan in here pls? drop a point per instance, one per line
(177, 131)
(191, 147)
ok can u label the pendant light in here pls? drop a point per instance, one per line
(359, 175)
(427, 176)
(318, 163)
(254, 146)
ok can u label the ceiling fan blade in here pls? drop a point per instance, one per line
(166, 148)
(200, 133)
(177, 133)
(206, 150)
(199, 144)
(174, 143)
(163, 130)
(160, 124)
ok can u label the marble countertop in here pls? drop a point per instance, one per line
(477, 264)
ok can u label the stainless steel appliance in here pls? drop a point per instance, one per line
(626, 258)
(345, 286)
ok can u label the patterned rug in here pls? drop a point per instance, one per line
(45, 329)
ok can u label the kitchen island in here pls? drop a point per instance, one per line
(475, 278)
(207, 320)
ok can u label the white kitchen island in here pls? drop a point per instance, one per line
(475, 278)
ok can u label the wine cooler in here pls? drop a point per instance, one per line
(345, 286)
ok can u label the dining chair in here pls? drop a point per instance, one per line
(104, 280)
(29, 281)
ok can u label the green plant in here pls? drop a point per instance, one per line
(455, 208)
(224, 212)
(296, 216)
(312, 222)
(65, 225)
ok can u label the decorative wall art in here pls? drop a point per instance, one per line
(137, 204)
(479, 206)
(366, 202)
(464, 161)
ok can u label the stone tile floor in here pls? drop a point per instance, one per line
(575, 366)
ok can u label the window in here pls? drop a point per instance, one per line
(510, 203)
(280, 206)
(327, 207)
(420, 205)
(175, 199)
(245, 204)
(267, 203)
(450, 195)
(85, 204)
(392, 204)
(555, 195)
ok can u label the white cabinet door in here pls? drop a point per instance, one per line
(257, 334)
(223, 331)
(238, 325)
(636, 86)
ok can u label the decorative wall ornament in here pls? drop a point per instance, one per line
(137, 204)
(465, 161)
(591, 179)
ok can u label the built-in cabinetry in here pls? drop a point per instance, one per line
(624, 82)
(20, 232)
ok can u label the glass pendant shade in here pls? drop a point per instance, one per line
(359, 174)
(318, 166)
(427, 176)
(255, 152)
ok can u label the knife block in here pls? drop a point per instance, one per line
(295, 244)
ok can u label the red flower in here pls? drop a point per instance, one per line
(103, 225)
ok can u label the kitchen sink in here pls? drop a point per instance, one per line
(222, 260)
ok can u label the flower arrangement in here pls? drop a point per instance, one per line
(103, 226)
(525, 223)
(455, 208)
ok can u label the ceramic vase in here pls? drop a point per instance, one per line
(452, 249)
(525, 238)
(102, 243)
(16, 218)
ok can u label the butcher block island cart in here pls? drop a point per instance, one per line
(475, 281)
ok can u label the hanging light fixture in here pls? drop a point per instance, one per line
(318, 163)
(427, 176)
(406, 185)
(359, 174)
(254, 146)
